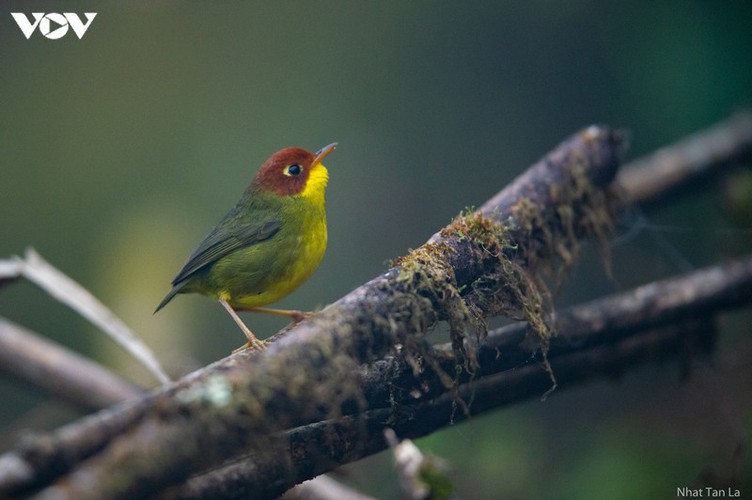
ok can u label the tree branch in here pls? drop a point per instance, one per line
(699, 155)
(602, 338)
(63, 373)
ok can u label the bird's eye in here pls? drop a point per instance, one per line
(293, 170)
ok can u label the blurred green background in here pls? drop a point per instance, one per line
(121, 150)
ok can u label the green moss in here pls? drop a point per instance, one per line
(519, 258)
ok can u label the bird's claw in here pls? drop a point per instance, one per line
(255, 345)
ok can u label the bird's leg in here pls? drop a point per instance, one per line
(253, 342)
(294, 315)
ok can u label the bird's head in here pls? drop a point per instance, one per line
(294, 172)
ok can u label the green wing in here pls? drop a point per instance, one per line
(229, 236)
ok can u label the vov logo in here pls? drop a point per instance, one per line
(53, 25)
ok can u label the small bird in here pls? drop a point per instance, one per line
(268, 244)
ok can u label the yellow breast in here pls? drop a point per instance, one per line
(304, 237)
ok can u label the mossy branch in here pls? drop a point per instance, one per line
(307, 375)
(601, 338)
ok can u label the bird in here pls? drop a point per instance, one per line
(267, 245)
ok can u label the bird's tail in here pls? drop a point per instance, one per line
(175, 290)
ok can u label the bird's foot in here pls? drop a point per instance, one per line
(295, 315)
(251, 345)
(253, 342)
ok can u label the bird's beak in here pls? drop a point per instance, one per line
(321, 153)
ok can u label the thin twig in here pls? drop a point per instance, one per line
(63, 288)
